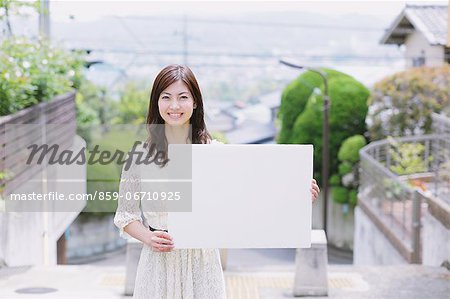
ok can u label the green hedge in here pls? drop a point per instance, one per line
(339, 194)
(349, 150)
(348, 157)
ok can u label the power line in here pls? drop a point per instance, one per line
(262, 65)
(260, 55)
(244, 55)
(131, 32)
(266, 24)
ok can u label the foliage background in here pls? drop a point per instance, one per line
(401, 104)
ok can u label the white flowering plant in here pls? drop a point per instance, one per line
(35, 71)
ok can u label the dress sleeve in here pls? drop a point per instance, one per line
(128, 208)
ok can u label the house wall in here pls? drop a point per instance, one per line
(340, 222)
(371, 247)
(416, 43)
(436, 241)
(89, 240)
(340, 225)
(29, 238)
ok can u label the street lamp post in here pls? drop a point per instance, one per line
(325, 133)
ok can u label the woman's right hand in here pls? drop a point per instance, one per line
(161, 241)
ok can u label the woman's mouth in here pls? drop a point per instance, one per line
(175, 115)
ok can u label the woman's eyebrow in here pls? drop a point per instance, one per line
(171, 94)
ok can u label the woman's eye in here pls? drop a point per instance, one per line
(165, 98)
(184, 97)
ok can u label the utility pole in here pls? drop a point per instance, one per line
(325, 138)
(185, 41)
(44, 19)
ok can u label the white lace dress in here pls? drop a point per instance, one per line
(181, 273)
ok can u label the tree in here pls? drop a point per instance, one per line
(301, 113)
(402, 104)
(131, 108)
(14, 7)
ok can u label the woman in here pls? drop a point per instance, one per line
(164, 272)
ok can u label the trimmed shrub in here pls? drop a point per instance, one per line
(353, 197)
(335, 180)
(339, 194)
(301, 113)
(348, 168)
(349, 150)
(345, 167)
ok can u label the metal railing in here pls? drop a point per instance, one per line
(394, 180)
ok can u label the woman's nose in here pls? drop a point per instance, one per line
(174, 104)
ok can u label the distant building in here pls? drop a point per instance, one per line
(221, 122)
(273, 102)
(251, 132)
(245, 122)
(217, 118)
(423, 30)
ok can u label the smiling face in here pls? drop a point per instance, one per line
(176, 104)
(176, 100)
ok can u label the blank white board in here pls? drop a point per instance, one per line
(246, 196)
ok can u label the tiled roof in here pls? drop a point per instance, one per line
(430, 20)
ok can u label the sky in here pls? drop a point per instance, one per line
(382, 13)
(83, 10)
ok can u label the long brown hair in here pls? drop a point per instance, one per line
(167, 76)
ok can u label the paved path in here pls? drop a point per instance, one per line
(93, 281)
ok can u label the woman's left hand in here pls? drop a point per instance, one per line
(314, 190)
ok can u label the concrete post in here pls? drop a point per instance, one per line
(134, 248)
(311, 265)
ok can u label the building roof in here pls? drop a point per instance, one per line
(272, 100)
(252, 132)
(221, 122)
(430, 20)
(216, 117)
